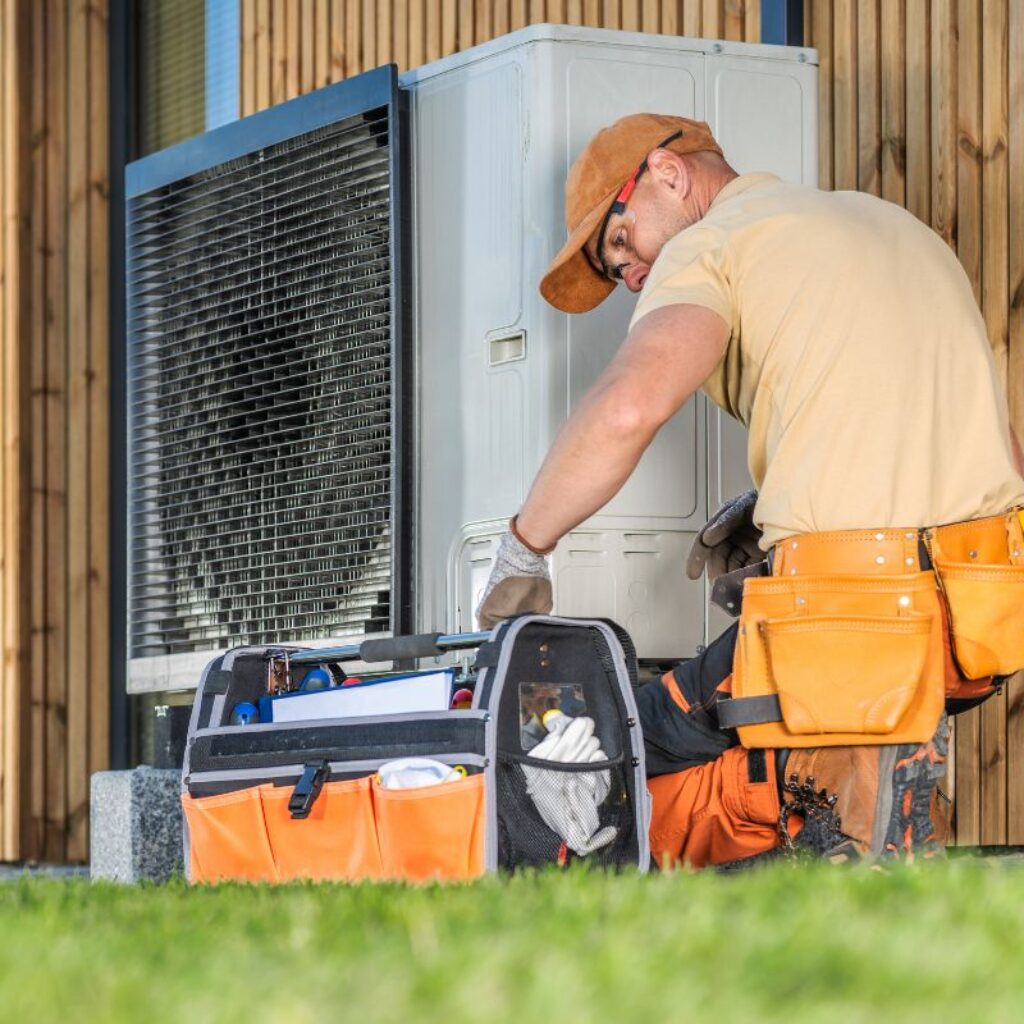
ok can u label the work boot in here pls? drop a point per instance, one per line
(874, 803)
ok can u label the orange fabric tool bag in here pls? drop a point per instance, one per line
(980, 566)
(228, 838)
(431, 832)
(337, 841)
(830, 660)
(250, 835)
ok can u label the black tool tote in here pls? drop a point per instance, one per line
(284, 800)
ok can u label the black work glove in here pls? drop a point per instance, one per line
(728, 541)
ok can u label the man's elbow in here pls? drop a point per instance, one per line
(632, 416)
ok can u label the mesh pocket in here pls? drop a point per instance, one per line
(548, 815)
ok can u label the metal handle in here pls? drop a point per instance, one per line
(421, 645)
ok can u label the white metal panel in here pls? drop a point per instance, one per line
(498, 377)
(469, 141)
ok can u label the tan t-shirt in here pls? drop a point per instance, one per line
(857, 359)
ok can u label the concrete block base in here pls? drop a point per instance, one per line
(136, 825)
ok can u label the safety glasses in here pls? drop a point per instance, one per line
(619, 207)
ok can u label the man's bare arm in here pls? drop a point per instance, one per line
(663, 361)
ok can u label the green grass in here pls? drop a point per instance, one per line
(939, 942)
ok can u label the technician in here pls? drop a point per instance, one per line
(881, 559)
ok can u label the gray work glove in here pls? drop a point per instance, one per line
(519, 582)
(728, 541)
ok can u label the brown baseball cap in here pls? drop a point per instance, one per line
(595, 179)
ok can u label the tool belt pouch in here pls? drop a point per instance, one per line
(287, 800)
(830, 660)
(980, 568)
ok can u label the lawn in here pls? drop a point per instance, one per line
(940, 942)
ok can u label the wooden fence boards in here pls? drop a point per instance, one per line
(291, 48)
(921, 101)
(55, 544)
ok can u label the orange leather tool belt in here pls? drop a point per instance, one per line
(858, 636)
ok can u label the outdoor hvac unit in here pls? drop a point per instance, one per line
(342, 377)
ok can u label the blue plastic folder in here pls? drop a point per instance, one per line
(389, 695)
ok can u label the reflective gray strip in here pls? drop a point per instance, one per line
(242, 774)
(317, 723)
(193, 727)
(217, 711)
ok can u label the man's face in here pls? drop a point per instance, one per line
(657, 210)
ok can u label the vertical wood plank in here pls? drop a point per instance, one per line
(994, 200)
(464, 25)
(869, 110)
(56, 364)
(12, 368)
(995, 307)
(574, 12)
(943, 120)
(535, 11)
(555, 12)
(279, 52)
(307, 14)
(844, 95)
(691, 18)
(336, 39)
(263, 70)
(670, 18)
(247, 31)
(400, 35)
(368, 36)
(292, 48)
(501, 17)
(732, 19)
(630, 15)
(449, 27)
(894, 153)
(822, 39)
(918, 86)
(711, 19)
(967, 809)
(78, 429)
(969, 140)
(353, 58)
(33, 824)
(752, 21)
(322, 44)
(1015, 275)
(433, 29)
(483, 28)
(98, 571)
(610, 10)
(417, 32)
(384, 30)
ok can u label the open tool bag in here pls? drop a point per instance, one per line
(549, 759)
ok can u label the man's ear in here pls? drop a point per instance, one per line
(671, 171)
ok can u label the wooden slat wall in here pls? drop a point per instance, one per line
(292, 47)
(922, 102)
(54, 678)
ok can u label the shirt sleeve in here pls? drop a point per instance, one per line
(689, 270)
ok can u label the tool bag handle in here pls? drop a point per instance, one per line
(393, 648)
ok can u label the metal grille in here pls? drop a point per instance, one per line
(261, 396)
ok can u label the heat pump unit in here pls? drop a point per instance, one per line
(342, 377)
